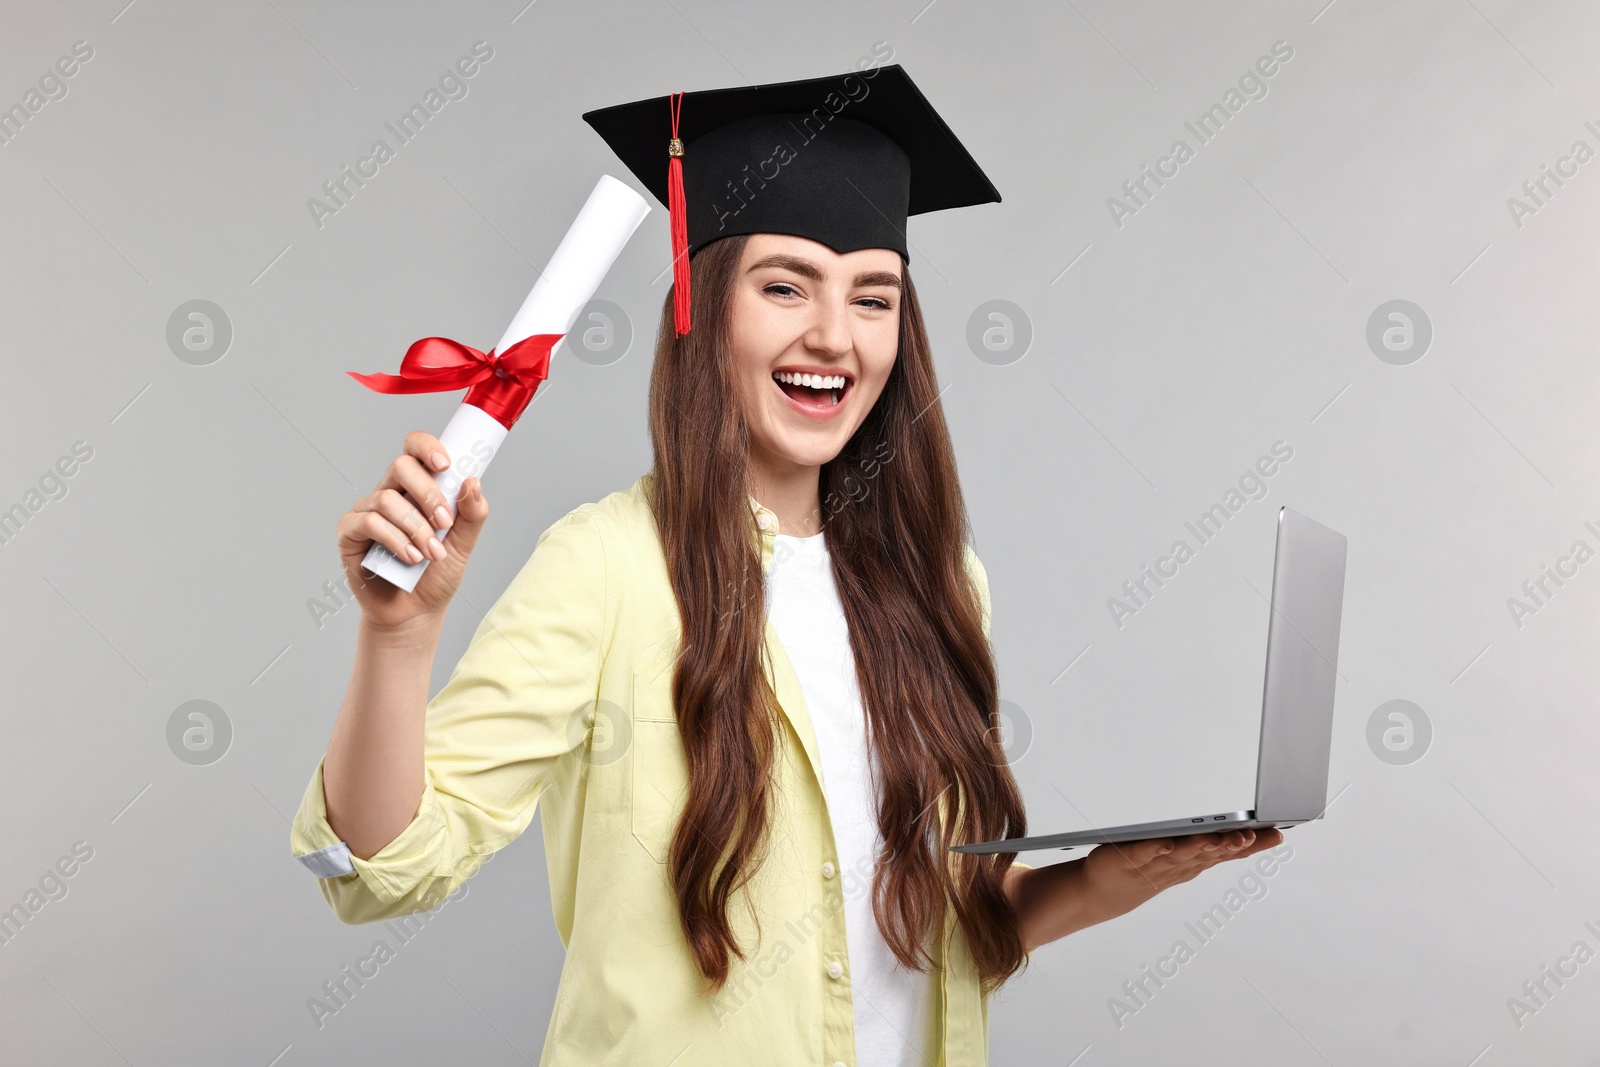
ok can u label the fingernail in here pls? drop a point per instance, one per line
(441, 460)
(1209, 848)
(441, 516)
(413, 554)
(435, 549)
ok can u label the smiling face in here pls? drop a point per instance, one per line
(810, 327)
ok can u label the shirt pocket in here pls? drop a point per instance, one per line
(660, 771)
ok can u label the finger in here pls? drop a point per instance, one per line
(1139, 853)
(404, 515)
(1265, 839)
(471, 511)
(426, 450)
(1236, 840)
(1226, 841)
(471, 506)
(358, 528)
(1235, 845)
(1192, 846)
(423, 490)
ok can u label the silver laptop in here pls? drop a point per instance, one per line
(1296, 707)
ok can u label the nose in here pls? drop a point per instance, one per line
(829, 330)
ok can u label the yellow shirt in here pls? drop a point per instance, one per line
(586, 633)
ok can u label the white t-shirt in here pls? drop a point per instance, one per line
(891, 1003)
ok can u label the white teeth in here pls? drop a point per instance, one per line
(812, 381)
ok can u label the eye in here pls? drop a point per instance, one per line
(877, 303)
(780, 289)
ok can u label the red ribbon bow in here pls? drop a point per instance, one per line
(500, 385)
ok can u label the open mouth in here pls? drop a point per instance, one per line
(818, 394)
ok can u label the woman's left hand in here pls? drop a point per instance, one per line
(1062, 898)
(1123, 876)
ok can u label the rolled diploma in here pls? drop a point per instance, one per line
(609, 217)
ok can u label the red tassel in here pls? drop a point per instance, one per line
(680, 225)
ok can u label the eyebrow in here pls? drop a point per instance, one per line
(878, 277)
(807, 269)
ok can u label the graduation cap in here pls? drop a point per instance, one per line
(842, 160)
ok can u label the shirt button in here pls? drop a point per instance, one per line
(764, 521)
(838, 1063)
(834, 970)
(827, 870)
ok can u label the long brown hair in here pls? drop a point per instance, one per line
(896, 527)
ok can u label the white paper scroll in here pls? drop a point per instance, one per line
(609, 217)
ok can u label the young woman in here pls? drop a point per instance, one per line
(752, 698)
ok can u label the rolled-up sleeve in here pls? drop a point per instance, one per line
(518, 701)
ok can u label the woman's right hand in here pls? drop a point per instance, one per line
(395, 522)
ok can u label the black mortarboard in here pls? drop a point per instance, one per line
(841, 160)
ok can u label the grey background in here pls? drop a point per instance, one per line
(1167, 354)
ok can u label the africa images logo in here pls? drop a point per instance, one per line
(1252, 85)
(852, 90)
(1252, 485)
(453, 85)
